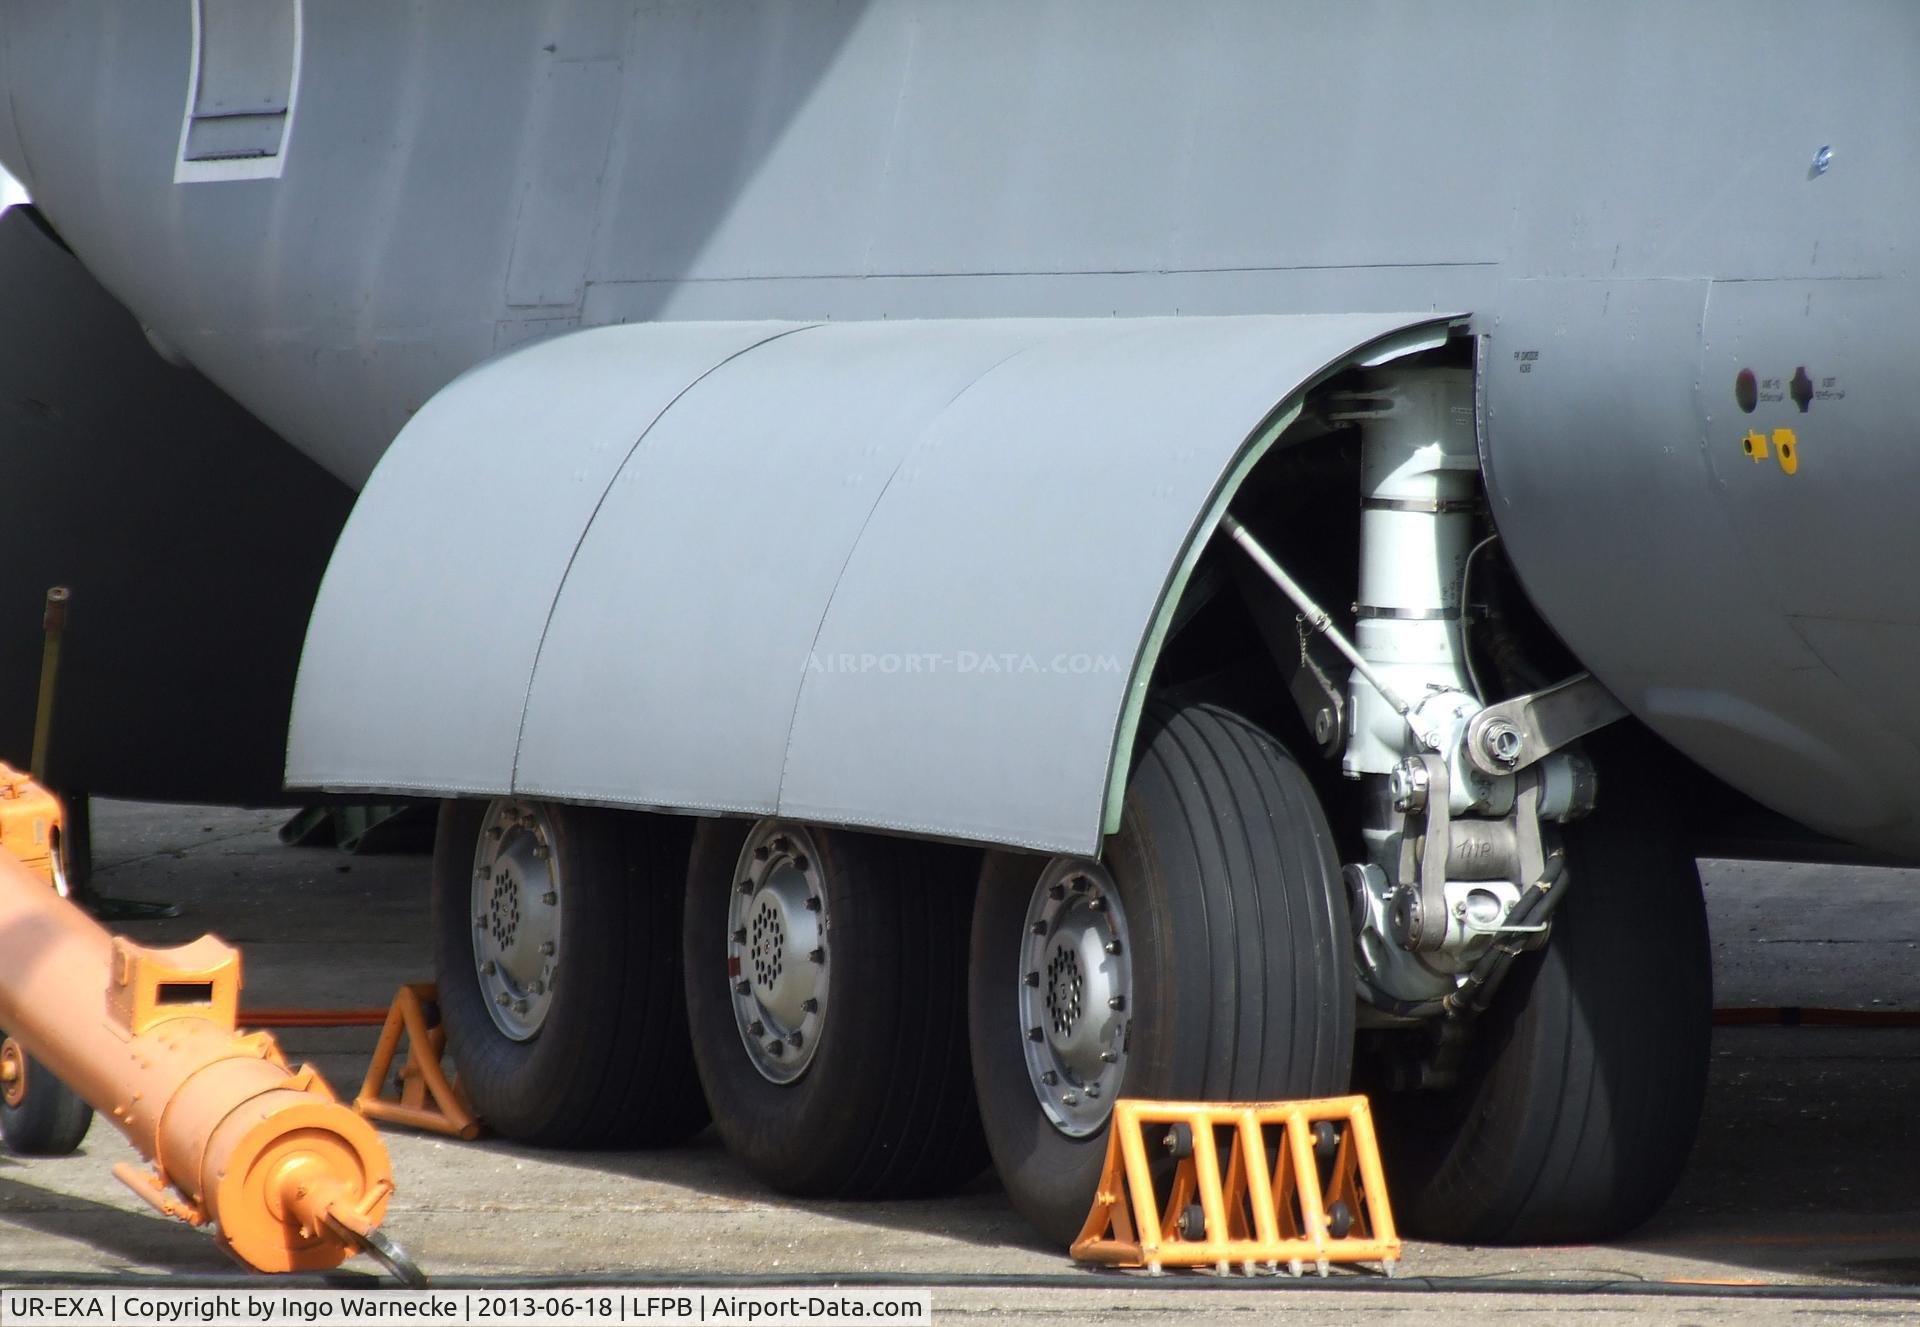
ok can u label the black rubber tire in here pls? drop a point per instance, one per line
(1583, 1087)
(1243, 989)
(611, 1065)
(886, 1107)
(50, 1121)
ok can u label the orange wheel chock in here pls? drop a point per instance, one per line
(426, 1098)
(1321, 1204)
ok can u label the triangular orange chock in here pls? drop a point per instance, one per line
(425, 1099)
(1260, 1209)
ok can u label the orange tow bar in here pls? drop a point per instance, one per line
(292, 1180)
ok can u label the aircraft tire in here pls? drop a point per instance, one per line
(45, 1118)
(1222, 889)
(601, 1056)
(828, 1005)
(1583, 1088)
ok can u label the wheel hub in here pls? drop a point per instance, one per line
(1076, 986)
(777, 951)
(516, 916)
(13, 1072)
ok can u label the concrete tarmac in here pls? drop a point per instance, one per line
(1803, 1174)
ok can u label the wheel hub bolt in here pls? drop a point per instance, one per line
(776, 1048)
(550, 898)
(745, 887)
(1035, 1034)
(739, 935)
(1057, 892)
(1039, 928)
(1109, 1057)
(1032, 979)
(800, 861)
(1117, 1002)
(1049, 1078)
(1097, 903)
(535, 987)
(813, 903)
(808, 1005)
(795, 1040)
(1113, 946)
(742, 987)
(817, 956)
(546, 948)
(519, 1006)
(1069, 1099)
(487, 969)
(757, 1028)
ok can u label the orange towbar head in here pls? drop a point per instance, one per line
(292, 1179)
(1321, 1200)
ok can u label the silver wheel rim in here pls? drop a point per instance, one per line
(777, 950)
(516, 915)
(1076, 994)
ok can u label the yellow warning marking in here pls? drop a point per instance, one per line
(1787, 447)
(1755, 446)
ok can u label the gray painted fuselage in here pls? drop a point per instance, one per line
(1624, 199)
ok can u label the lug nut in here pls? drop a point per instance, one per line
(536, 987)
(550, 898)
(488, 968)
(1034, 1034)
(1117, 1002)
(744, 887)
(742, 986)
(1038, 928)
(1068, 1099)
(760, 853)
(795, 1040)
(1057, 891)
(1032, 979)
(1049, 1078)
(519, 1006)
(546, 948)
(810, 1006)
(1110, 1057)
(776, 1048)
(757, 1028)
(1097, 903)
(813, 903)
(816, 956)
(739, 935)
(800, 862)
(1113, 946)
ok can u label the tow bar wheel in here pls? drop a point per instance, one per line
(39, 1114)
(1203, 958)
(556, 933)
(1075, 981)
(826, 990)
